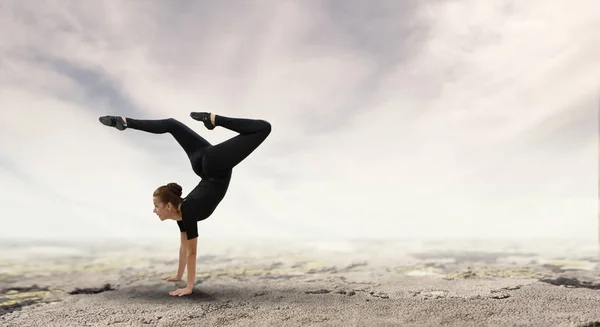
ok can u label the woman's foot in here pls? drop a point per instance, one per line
(206, 117)
(119, 123)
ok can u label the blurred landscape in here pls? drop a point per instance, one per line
(434, 127)
(354, 282)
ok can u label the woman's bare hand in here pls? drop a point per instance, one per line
(181, 291)
(171, 278)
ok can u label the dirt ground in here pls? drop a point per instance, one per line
(260, 283)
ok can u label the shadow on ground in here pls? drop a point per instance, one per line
(238, 292)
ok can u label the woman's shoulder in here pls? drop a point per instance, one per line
(188, 204)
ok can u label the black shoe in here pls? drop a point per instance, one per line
(113, 121)
(203, 117)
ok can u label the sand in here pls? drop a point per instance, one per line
(393, 283)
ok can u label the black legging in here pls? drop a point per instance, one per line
(211, 160)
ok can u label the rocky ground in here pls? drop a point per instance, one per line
(302, 284)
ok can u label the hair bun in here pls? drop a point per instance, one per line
(175, 188)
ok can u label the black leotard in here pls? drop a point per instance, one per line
(213, 163)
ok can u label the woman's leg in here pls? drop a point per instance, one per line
(226, 155)
(189, 140)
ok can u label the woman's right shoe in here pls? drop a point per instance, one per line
(113, 121)
(203, 117)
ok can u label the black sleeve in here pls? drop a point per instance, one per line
(189, 223)
(181, 226)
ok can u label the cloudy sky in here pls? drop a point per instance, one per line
(391, 119)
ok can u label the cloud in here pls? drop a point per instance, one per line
(393, 119)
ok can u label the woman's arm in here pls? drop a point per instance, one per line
(192, 246)
(182, 260)
(190, 260)
(182, 256)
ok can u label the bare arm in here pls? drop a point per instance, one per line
(191, 261)
(182, 259)
(182, 255)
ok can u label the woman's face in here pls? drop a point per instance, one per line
(162, 210)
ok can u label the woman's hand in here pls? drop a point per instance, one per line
(171, 278)
(189, 259)
(181, 291)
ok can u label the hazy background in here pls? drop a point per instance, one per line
(391, 119)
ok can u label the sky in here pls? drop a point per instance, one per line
(392, 119)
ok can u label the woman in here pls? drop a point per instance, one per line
(213, 163)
